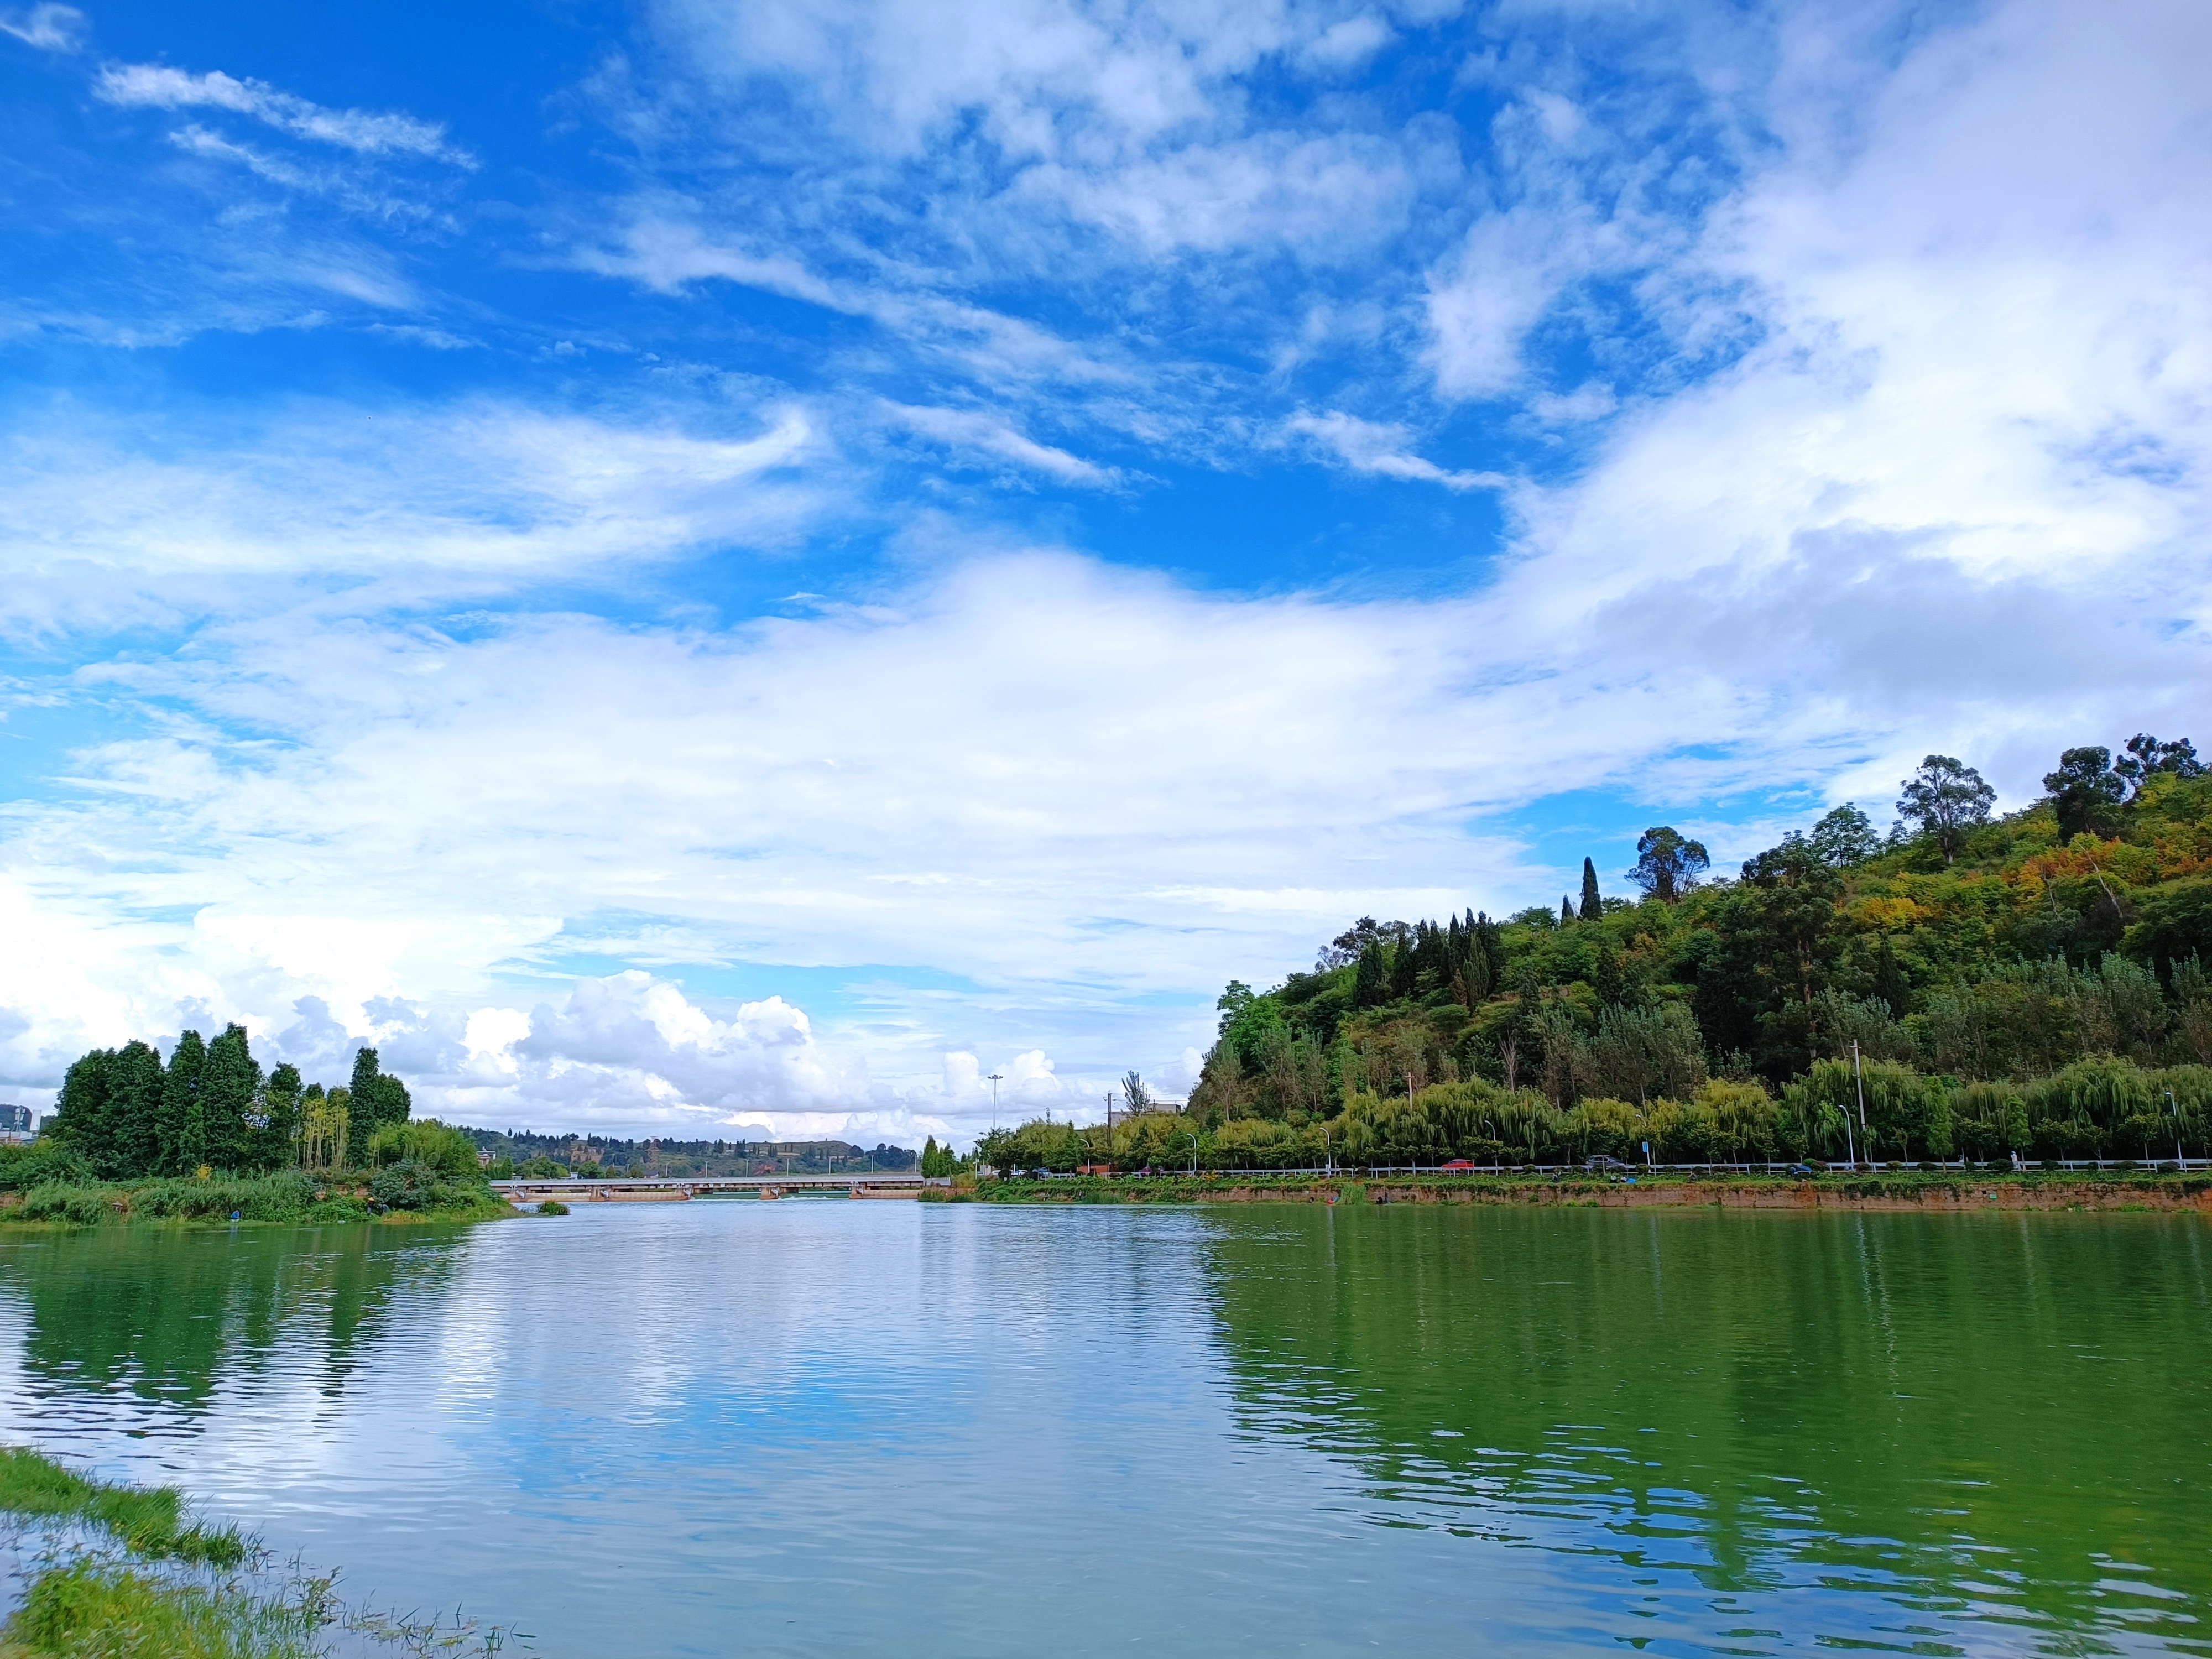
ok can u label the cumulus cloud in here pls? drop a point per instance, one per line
(158, 85)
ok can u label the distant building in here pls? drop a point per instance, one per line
(16, 1122)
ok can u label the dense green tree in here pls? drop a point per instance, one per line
(1405, 960)
(84, 1113)
(1667, 864)
(362, 1092)
(1845, 838)
(1946, 800)
(1567, 910)
(2146, 757)
(1370, 983)
(379, 1099)
(139, 1086)
(2085, 791)
(2172, 924)
(182, 1130)
(1231, 1003)
(279, 1132)
(230, 1087)
(1593, 907)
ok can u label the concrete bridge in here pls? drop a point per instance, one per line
(675, 1188)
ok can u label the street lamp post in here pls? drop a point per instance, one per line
(1858, 1081)
(995, 1080)
(2181, 1162)
(1194, 1153)
(1327, 1161)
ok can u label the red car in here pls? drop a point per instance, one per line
(1457, 1163)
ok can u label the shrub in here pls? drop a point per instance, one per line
(44, 1160)
(285, 1196)
(552, 1206)
(80, 1207)
(409, 1185)
(446, 1151)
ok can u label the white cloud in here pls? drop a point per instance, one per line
(1348, 44)
(467, 498)
(1507, 273)
(1591, 401)
(49, 26)
(1380, 448)
(158, 85)
(972, 430)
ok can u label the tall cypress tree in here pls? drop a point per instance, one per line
(229, 1081)
(1566, 909)
(364, 1076)
(379, 1099)
(1403, 963)
(280, 1119)
(183, 1129)
(1370, 978)
(84, 1116)
(1490, 939)
(137, 1082)
(1593, 907)
(389, 1101)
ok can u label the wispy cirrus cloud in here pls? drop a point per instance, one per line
(370, 132)
(1381, 448)
(49, 26)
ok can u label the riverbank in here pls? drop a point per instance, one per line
(1899, 1190)
(286, 1199)
(127, 1572)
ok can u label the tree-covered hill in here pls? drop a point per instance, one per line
(2033, 984)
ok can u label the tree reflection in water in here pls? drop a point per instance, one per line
(1985, 1418)
(170, 1315)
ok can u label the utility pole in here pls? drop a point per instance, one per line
(1110, 1128)
(1858, 1079)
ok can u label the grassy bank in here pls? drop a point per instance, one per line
(1906, 1189)
(127, 1573)
(287, 1198)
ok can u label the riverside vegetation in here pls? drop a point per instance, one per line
(2027, 987)
(126, 1573)
(206, 1136)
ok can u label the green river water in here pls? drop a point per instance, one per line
(827, 1427)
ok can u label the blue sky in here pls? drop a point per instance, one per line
(694, 564)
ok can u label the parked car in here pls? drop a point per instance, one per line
(1604, 1165)
(1457, 1163)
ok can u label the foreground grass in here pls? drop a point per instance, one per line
(91, 1608)
(148, 1521)
(168, 1587)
